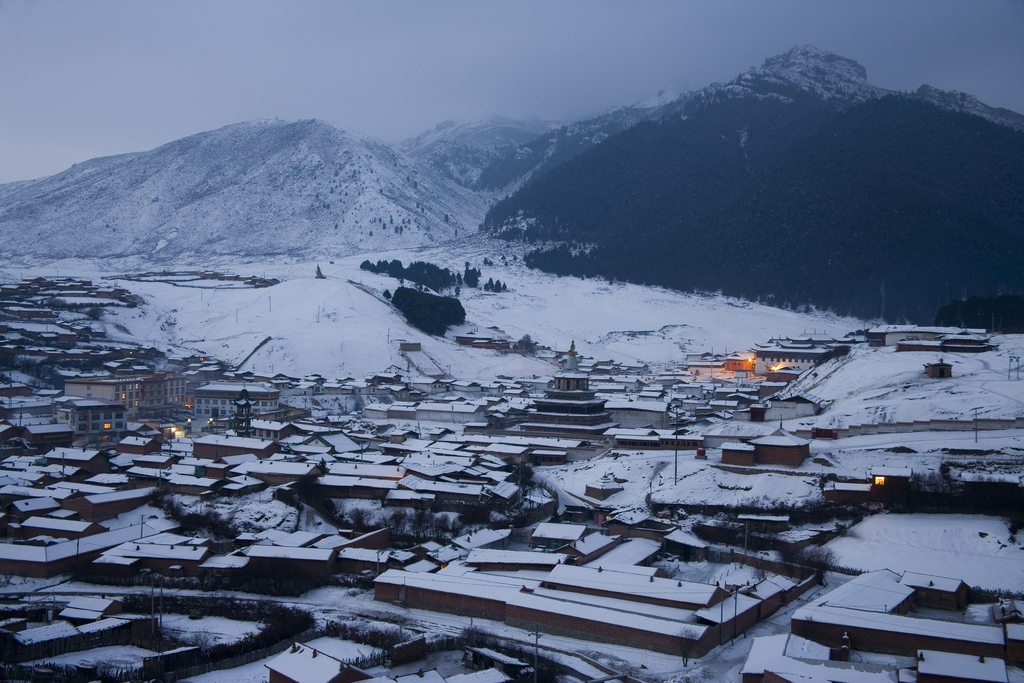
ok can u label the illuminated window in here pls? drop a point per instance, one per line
(879, 481)
(106, 425)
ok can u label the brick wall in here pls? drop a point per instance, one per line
(905, 644)
(574, 627)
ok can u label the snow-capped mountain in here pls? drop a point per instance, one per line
(459, 151)
(252, 189)
(841, 82)
(539, 155)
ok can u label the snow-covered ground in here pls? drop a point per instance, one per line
(208, 631)
(704, 482)
(873, 385)
(339, 327)
(974, 548)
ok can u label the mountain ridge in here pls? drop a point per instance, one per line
(792, 190)
(838, 80)
(306, 188)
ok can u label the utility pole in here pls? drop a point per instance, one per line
(721, 621)
(976, 423)
(536, 647)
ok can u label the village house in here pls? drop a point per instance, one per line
(778, 448)
(91, 461)
(870, 612)
(891, 335)
(798, 353)
(214, 446)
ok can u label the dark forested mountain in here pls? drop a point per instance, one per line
(794, 186)
(838, 81)
(1004, 313)
(558, 145)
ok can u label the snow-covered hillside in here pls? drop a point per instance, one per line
(620, 321)
(262, 188)
(874, 385)
(459, 151)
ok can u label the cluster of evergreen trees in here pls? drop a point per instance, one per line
(428, 312)
(434, 277)
(471, 277)
(419, 272)
(1003, 313)
(493, 285)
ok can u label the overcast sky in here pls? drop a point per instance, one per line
(85, 79)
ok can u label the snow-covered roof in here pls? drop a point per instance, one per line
(357, 469)
(225, 562)
(939, 583)
(665, 590)
(877, 591)
(880, 471)
(561, 532)
(725, 610)
(593, 543)
(303, 664)
(473, 584)
(522, 557)
(91, 604)
(680, 536)
(963, 667)
(481, 537)
(421, 566)
(281, 552)
(430, 676)
(545, 603)
(780, 437)
(71, 526)
(485, 676)
(633, 551)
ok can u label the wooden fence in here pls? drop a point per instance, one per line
(367, 662)
(918, 426)
(13, 652)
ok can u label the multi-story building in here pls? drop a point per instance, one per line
(217, 400)
(94, 420)
(144, 396)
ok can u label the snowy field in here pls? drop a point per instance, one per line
(974, 548)
(873, 385)
(208, 631)
(335, 327)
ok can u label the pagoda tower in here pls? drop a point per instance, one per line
(571, 407)
(242, 419)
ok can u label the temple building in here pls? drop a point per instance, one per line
(570, 408)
